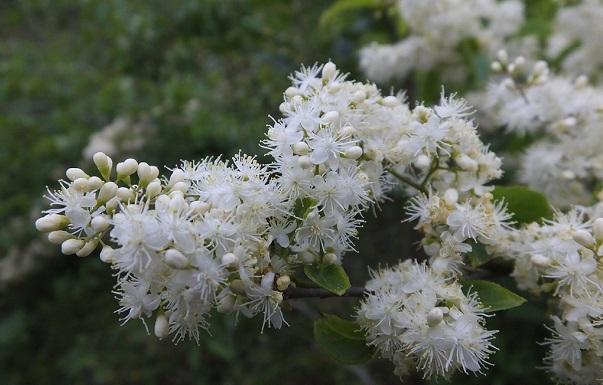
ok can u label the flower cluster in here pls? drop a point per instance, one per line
(564, 113)
(575, 38)
(562, 257)
(415, 316)
(436, 29)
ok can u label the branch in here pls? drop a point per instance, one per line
(409, 182)
(315, 292)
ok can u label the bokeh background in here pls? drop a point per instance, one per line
(162, 81)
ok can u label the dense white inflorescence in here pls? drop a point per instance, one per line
(563, 258)
(563, 114)
(415, 316)
(436, 28)
(229, 234)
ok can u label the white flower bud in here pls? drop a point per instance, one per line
(540, 260)
(329, 70)
(71, 246)
(154, 189)
(177, 176)
(581, 81)
(180, 186)
(330, 259)
(229, 259)
(112, 204)
(598, 229)
(451, 196)
(51, 222)
(347, 131)
(162, 327)
(390, 101)
(107, 191)
(540, 68)
(177, 203)
(292, 91)
(304, 162)
(88, 248)
(307, 257)
(331, 116)
(175, 259)
(59, 236)
(435, 317)
(81, 185)
(238, 287)
(126, 168)
(283, 107)
(146, 173)
(226, 304)
(502, 56)
(200, 207)
(100, 223)
(358, 96)
(496, 66)
(301, 148)
(353, 152)
(584, 238)
(76, 173)
(94, 183)
(297, 99)
(422, 162)
(103, 163)
(124, 194)
(283, 282)
(519, 61)
(107, 254)
(466, 163)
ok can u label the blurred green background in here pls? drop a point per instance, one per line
(183, 79)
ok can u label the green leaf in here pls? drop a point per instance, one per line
(330, 277)
(493, 296)
(527, 206)
(342, 340)
(303, 207)
(478, 255)
(335, 11)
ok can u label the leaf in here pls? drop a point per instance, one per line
(303, 207)
(478, 255)
(330, 277)
(526, 205)
(341, 340)
(493, 296)
(331, 14)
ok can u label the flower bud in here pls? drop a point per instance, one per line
(88, 248)
(292, 91)
(180, 186)
(331, 116)
(154, 189)
(107, 254)
(104, 164)
(71, 246)
(502, 56)
(422, 162)
(177, 176)
(146, 173)
(283, 282)
(229, 259)
(126, 168)
(584, 238)
(353, 152)
(496, 66)
(162, 327)
(100, 223)
(466, 163)
(124, 194)
(598, 229)
(81, 185)
(330, 259)
(451, 196)
(226, 304)
(176, 259)
(200, 207)
(301, 148)
(329, 70)
(390, 101)
(307, 257)
(435, 317)
(51, 222)
(540, 260)
(112, 204)
(238, 287)
(94, 183)
(347, 131)
(358, 96)
(107, 191)
(76, 173)
(581, 81)
(59, 236)
(304, 162)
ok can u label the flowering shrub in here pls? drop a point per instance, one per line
(242, 237)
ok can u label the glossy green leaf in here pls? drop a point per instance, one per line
(342, 340)
(478, 255)
(335, 11)
(493, 296)
(330, 277)
(527, 206)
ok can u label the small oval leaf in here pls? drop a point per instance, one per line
(330, 277)
(493, 296)
(342, 340)
(527, 206)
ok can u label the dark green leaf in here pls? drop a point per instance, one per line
(493, 296)
(330, 277)
(331, 14)
(478, 255)
(303, 207)
(342, 340)
(527, 206)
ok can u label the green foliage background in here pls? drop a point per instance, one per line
(69, 68)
